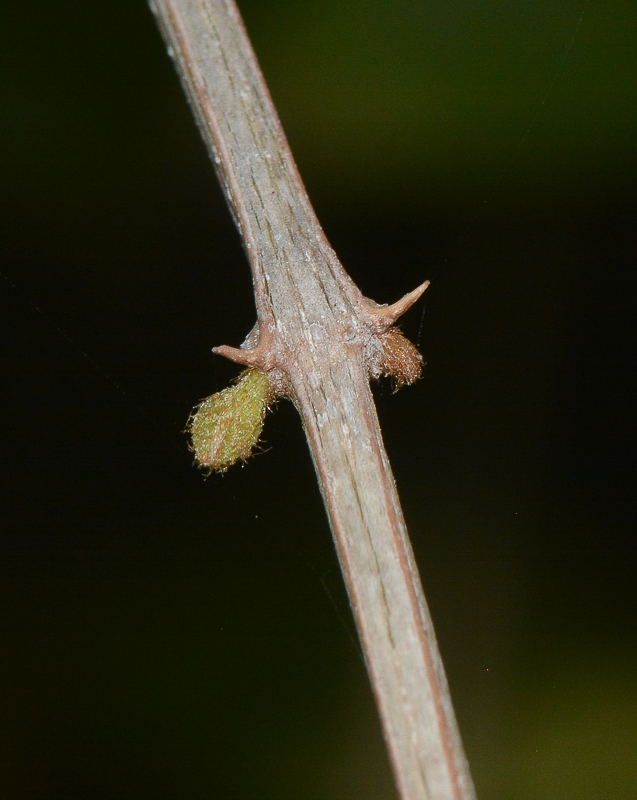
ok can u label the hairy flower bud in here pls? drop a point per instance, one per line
(226, 426)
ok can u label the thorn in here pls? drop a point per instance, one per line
(257, 356)
(383, 317)
(235, 354)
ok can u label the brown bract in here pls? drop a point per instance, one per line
(400, 358)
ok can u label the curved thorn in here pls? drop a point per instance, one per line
(259, 356)
(385, 316)
(236, 354)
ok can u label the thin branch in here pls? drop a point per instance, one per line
(319, 340)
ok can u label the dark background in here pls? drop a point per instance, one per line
(165, 637)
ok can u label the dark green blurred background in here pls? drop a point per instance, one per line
(165, 638)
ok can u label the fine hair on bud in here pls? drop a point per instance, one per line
(225, 427)
(400, 359)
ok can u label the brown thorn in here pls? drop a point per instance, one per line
(383, 317)
(235, 354)
(257, 356)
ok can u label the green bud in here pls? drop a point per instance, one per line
(226, 426)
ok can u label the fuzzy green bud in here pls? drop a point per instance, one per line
(225, 427)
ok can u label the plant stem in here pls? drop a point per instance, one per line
(319, 339)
